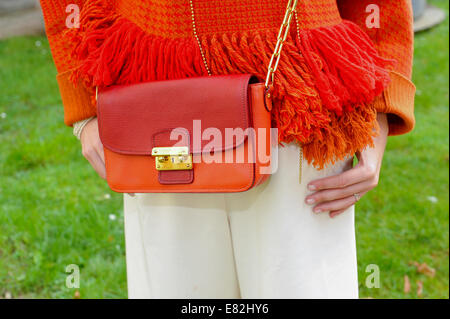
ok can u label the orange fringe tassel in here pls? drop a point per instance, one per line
(324, 87)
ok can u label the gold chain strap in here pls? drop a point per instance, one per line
(194, 28)
(282, 36)
(276, 55)
(300, 146)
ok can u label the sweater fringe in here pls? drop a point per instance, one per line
(346, 67)
(326, 81)
(112, 50)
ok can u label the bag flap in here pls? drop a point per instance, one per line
(131, 116)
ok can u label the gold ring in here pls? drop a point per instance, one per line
(357, 197)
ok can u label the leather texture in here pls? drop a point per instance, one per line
(135, 118)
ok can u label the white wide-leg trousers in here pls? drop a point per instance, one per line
(264, 243)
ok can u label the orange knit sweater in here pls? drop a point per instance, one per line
(334, 76)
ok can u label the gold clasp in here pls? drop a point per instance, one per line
(172, 158)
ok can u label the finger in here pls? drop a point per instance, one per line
(100, 151)
(101, 169)
(336, 213)
(355, 175)
(338, 193)
(334, 205)
(97, 163)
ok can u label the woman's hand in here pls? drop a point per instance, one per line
(92, 147)
(335, 194)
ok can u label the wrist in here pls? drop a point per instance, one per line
(79, 126)
(383, 124)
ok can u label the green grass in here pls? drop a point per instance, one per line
(397, 223)
(54, 212)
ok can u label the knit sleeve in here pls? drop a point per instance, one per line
(394, 40)
(77, 99)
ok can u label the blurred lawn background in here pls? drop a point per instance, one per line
(54, 211)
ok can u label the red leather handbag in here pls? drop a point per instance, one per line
(204, 134)
(136, 123)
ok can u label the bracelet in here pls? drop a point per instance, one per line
(79, 126)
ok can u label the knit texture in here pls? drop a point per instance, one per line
(77, 99)
(329, 85)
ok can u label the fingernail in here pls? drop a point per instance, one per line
(312, 187)
(317, 210)
(310, 201)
